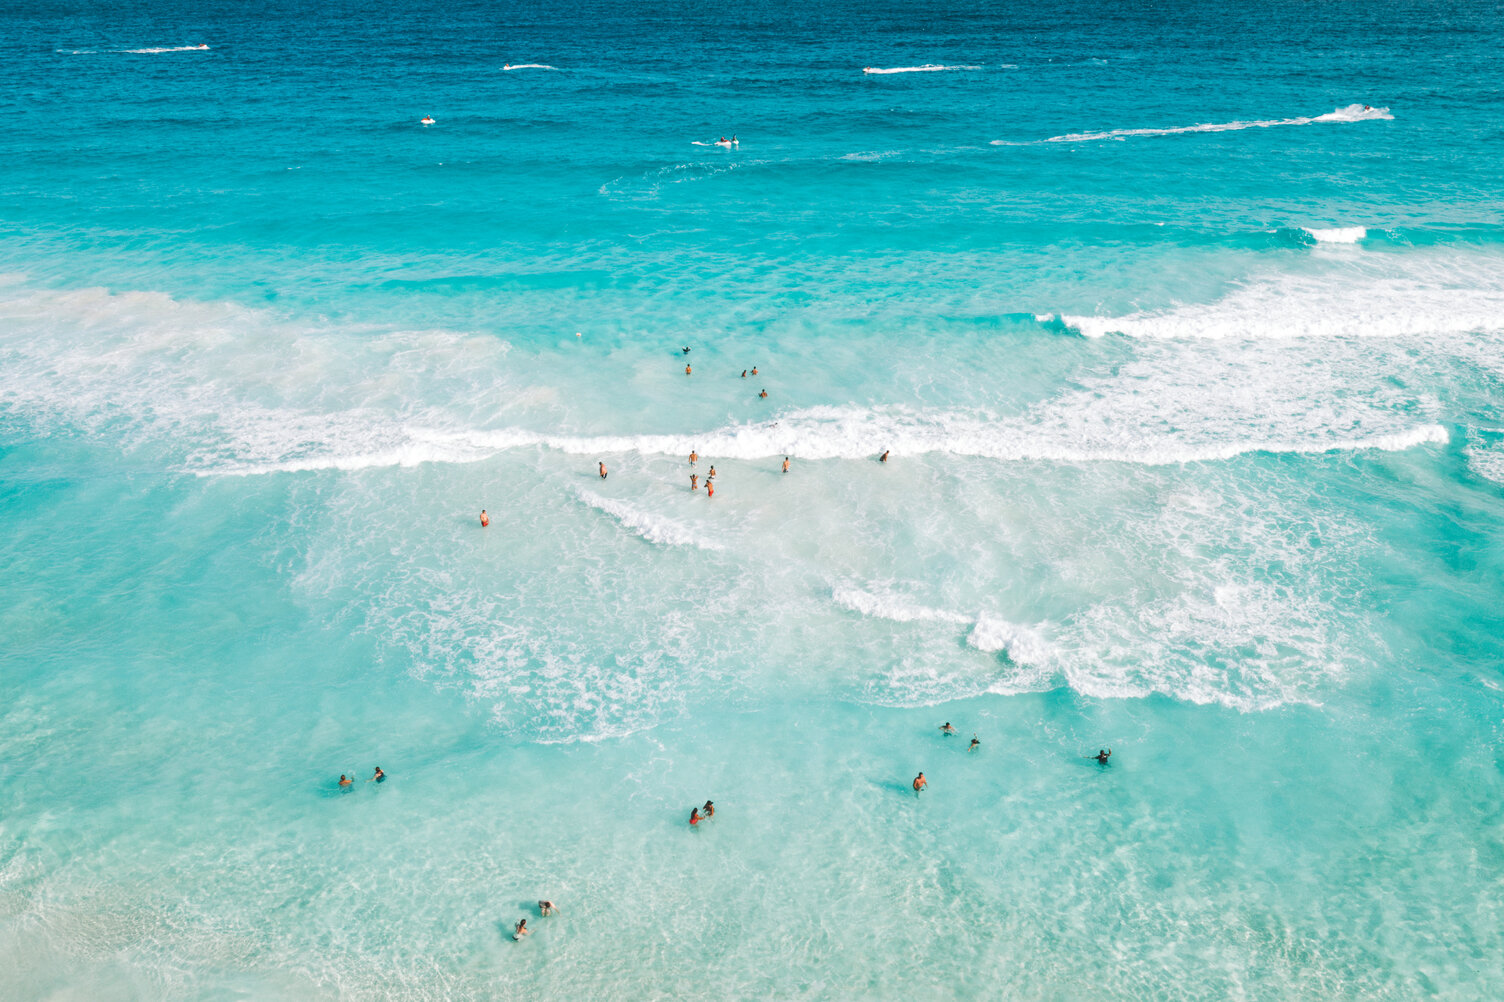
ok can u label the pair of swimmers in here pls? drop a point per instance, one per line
(950, 731)
(346, 782)
(698, 814)
(545, 908)
(754, 372)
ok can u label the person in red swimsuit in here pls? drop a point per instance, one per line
(694, 815)
(485, 519)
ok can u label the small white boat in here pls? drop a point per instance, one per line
(427, 120)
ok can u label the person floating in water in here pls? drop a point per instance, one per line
(920, 783)
(947, 729)
(378, 777)
(1102, 755)
(709, 809)
(688, 371)
(521, 930)
(763, 395)
(485, 519)
(345, 781)
(884, 457)
(785, 464)
(603, 471)
(694, 481)
(694, 816)
(975, 744)
(546, 908)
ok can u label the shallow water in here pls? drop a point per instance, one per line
(1189, 366)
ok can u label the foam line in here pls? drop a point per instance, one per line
(528, 66)
(926, 68)
(651, 527)
(1350, 113)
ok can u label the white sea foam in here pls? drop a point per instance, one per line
(650, 526)
(528, 66)
(891, 607)
(1351, 113)
(926, 68)
(1369, 299)
(171, 48)
(1338, 235)
(1024, 645)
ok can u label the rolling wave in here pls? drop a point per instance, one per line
(926, 68)
(528, 66)
(1350, 113)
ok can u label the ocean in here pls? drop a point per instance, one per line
(1181, 327)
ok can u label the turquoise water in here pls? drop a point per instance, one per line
(1192, 372)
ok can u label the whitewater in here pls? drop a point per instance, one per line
(1081, 377)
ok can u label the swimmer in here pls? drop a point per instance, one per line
(603, 470)
(711, 475)
(744, 373)
(694, 816)
(1102, 755)
(485, 519)
(947, 729)
(975, 744)
(694, 481)
(694, 457)
(709, 489)
(546, 908)
(754, 370)
(920, 783)
(521, 930)
(785, 464)
(763, 395)
(884, 457)
(379, 777)
(688, 371)
(345, 781)
(709, 809)
(686, 349)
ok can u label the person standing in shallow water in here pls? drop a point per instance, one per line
(485, 519)
(694, 481)
(884, 457)
(947, 729)
(687, 370)
(694, 457)
(975, 743)
(603, 471)
(920, 783)
(785, 464)
(1102, 755)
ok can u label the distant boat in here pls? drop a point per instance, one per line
(427, 120)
